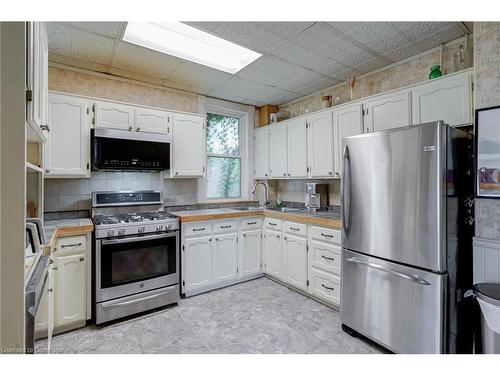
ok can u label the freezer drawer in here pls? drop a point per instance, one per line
(399, 307)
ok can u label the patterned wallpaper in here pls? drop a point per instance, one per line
(487, 94)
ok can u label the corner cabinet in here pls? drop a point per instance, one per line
(261, 152)
(67, 151)
(187, 152)
(448, 99)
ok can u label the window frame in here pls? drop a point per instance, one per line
(246, 115)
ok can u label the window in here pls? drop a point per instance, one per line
(223, 156)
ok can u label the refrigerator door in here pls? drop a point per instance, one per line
(394, 195)
(399, 307)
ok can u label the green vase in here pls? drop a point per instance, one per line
(435, 71)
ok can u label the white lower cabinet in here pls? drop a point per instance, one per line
(250, 253)
(225, 257)
(295, 248)
(325, 285)
(272, 251)
(197, 254)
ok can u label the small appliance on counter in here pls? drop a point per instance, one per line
(316, 196)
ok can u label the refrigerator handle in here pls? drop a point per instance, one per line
(346, 189)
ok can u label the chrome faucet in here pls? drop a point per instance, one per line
(266, 203)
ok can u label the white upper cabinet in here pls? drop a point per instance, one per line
(67, 152)
(320, 144)
(389, 111)
(114, 115)
(152, 121)
(447, 99)
(347, 121)
(188, 146)
(225, 257)
(261, 152)
(297, 148)
(278, 151)
(37, 78)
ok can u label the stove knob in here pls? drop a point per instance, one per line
(111, 233)
(168, 226)
(141, 229)
(159, 227)
(121, 232)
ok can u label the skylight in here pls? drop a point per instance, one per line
(189, 43)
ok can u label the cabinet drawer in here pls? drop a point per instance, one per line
(274, 224)
(71, 244)
(225, 226)
(251, 223)
(325, 285)
(325, 234)
(295, 228)
(197, 229)
(325, 256)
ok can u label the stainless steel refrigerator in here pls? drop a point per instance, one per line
(407, 238)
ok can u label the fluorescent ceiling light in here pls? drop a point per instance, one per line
(189, 43)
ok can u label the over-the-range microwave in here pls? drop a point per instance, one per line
(114, 149)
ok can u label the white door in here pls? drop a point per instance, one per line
(261, 152)
(67, 153)
(50, 303)
(297, 148)
(114, 115)
(388, 111)
(197, 262)
(152, 121)
(295, 249)
(347, 121)
(272, 251)
(70, 289)
(320, 144)
(250, 253)
(225, 257)
(447, 99)
(277, 151)
(188, 146)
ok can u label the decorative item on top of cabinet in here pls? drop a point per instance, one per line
(188, 146)
(320, 144)
(261, 152)
(278, 150)
(265, 114)
(67, 151)
(389, 111)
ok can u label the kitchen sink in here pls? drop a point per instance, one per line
(282, 209)
(285, 209)
(248, 208)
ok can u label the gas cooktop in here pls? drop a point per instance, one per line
(133, 217)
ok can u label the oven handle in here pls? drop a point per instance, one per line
(139, 238)
(142, 299)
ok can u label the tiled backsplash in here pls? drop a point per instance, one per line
(294, 190)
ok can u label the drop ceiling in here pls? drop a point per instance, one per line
(298, 58)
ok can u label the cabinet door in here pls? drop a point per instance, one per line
(388, 111)
(297, 148)
(197, 262)
(277, 150)
(225, 257)
(70, 290)
(295, 248)
(67, 153)
(50, 305)
(320, 144)
(188, 146)
(114, 116)
(347, 121)
(250, 253)
(273, 254)
(447, 99)
(152, 121)
(261, 152)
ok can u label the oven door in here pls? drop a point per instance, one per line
(135, 264)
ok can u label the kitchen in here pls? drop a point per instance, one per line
(318, 189)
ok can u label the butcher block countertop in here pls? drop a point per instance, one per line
(324, 219)
(65, 227)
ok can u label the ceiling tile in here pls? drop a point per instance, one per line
(271, 94)
(60, 39)
(317, 86)
(287, 30)
(415, 30)
(363, 32)
(206, 26)
(337, 47)
(131, 57)
(83, 64)
(342, 76)
(249, 35)
(296, 54)
(316, 36)
(135, 76)
(332, 68)
(389, 42)
(109, 29)
(250, 73)
(408, 50)
(302, 80)
(286, 98)
(370, 65)
(279, 67)
(240, 88)
(92, 47)
(355, 58)
(198, 76)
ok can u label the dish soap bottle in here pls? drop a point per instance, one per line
(435, 71)
(279, 203)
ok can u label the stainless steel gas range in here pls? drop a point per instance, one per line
(136, 254)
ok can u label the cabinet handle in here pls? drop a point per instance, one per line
(327, 235)
(284, 238)
(327, 287)
(272, 224)
(72, 245)
(225, 226)
(337, 174)
(50, 290)
(296, 229)
(209, 240)
(198, 229)
(176, 173)
(330, 173)
(47, 170)
(138, 129)
(328, 258)
(251, 222)
(278, 236)
(130, 128)
(244, 235)
(217, 239)
(45, 127)
(81, 259)
(289, 175)
(284, 174)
